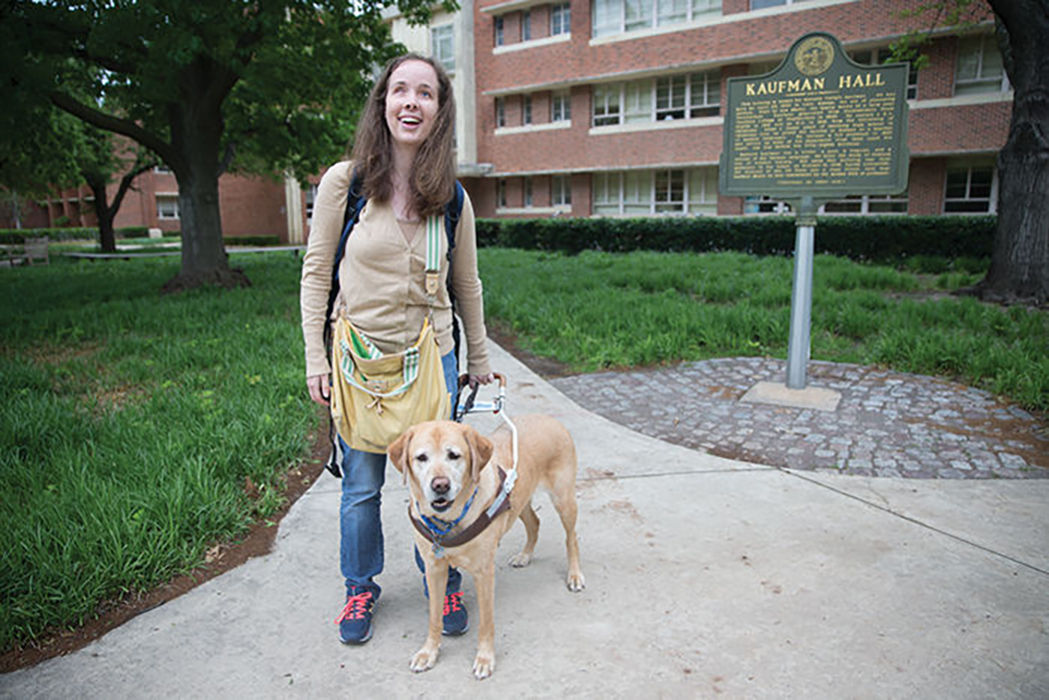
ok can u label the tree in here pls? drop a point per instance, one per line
(43, 148)
(103, 159)
(257, 87)
(1019, 271)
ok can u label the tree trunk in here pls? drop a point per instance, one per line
(196, 133)
(1019, 271)
(106, 235)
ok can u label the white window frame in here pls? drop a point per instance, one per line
(561, 191)
(610, 17)
(560, 106)
(639, 100)
(561, 19)
(500, 112)
(867, 205)
(500, 193)
(442, 45)
(662, 192)
(161, 169)
(311, 198)
(526, 25)
(765, 4)
(526, 110)
(979, 49)
(607, 105)
(169, 213)
(962, 205)
(526, 186)
(500, 37)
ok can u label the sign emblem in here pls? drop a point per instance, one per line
(814, 56)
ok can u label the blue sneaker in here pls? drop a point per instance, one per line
(456, 621)
(355, 620)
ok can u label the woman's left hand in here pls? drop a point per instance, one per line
(476, 379)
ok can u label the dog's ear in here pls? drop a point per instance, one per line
(400, 455)
(481, 449)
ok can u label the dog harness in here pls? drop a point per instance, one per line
(439, 535)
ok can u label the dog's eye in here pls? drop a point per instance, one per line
(453, 455)
(421, 457)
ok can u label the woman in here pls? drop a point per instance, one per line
(403, 154)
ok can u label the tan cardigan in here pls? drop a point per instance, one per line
(382, 279)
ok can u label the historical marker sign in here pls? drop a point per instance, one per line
(819, 125)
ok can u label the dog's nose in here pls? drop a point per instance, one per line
(440, 484)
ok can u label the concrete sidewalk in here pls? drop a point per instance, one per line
(704, 577)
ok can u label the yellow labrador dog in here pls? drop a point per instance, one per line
(455, 475)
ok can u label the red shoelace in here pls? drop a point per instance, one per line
(452, 601)
(356, 606)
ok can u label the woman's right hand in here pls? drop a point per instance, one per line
(320, 388)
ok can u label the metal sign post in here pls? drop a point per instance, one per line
(801, 296)
(818, 127)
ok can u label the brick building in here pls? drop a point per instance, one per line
(616, 108)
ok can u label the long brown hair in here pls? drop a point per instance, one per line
(433, 173)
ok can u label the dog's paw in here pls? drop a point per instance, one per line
(576, 582)
(484, 664)
(423, 660)
(520, 560)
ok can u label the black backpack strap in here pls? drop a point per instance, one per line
(453, 211)
(355, 201)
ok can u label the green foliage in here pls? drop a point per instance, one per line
(875, 238)
(598, 310)
(252, 240)
(12, 235)
(129, 423)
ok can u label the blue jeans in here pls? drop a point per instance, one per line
(363, 474)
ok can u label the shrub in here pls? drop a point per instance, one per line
(885, 239)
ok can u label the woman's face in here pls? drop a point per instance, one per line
(411, 103)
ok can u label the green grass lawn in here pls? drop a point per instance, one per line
(130, 420)
(605, 310)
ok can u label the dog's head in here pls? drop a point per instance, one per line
(440, 460)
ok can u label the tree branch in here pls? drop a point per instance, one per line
(116, 125)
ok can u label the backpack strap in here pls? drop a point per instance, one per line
(452, 213)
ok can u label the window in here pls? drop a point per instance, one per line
(867, 204)
(703, 191)
(642, 193)
(442, 43)
(560, 107)
(970, 190)
(979, 68)
(499, 38)
(167, 206)
(638, 13)
(671, 97)
(618, 16)
(528, 192)
(311, 197)
(560, 190)
(606, 105)
(761, 4)
(704, 95)
(500, 112)
(765, 205)
(161, 169)
(670, 191)
(638, 95)
(526, 25)
(560, 19)
(877, 57)
(500, 193)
